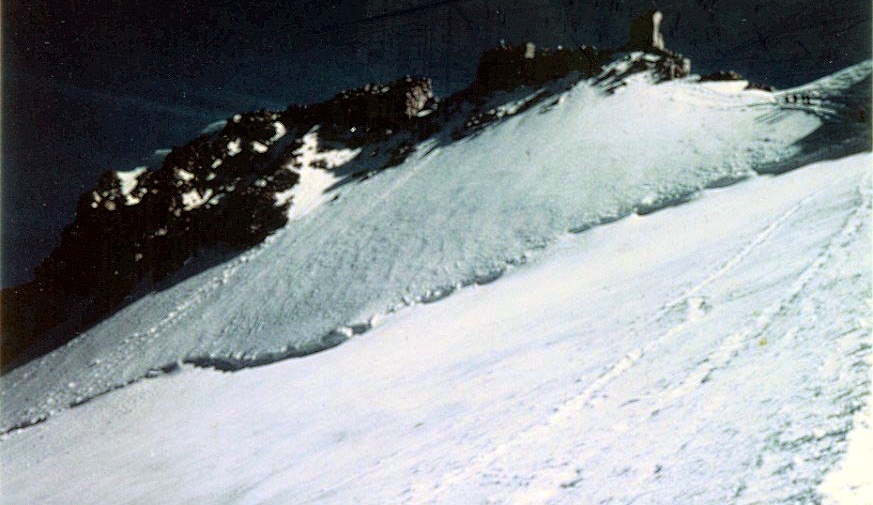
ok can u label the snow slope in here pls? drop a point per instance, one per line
(713, 352)
(453, 214)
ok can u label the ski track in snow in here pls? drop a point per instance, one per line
(569, 410)
(551, 480)
(731, 345)
(198, 297)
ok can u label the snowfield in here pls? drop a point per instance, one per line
(714, 352)
(518, 325)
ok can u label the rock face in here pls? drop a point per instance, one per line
(229, 190)
(730, 75)
(370, 109)
(721, 75)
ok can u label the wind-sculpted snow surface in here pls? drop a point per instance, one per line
(453, 213)
(716, 352)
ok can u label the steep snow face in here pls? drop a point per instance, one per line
(129, 179)
(715, 352)
(315, 165)
(454, 214)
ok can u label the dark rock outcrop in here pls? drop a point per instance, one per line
(760, 87)
(721, 75)
(730, 75)
(219, 190)
(371, 112)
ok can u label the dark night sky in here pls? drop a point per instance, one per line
(95, 85)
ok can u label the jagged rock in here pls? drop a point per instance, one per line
(721, 75)
(371, 111)
(147, 226)
(761, 87)
(675, 66)
(135, 228)
(730, 75)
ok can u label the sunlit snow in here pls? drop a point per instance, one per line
(715, 351)
(314, 164)
(710, 353)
